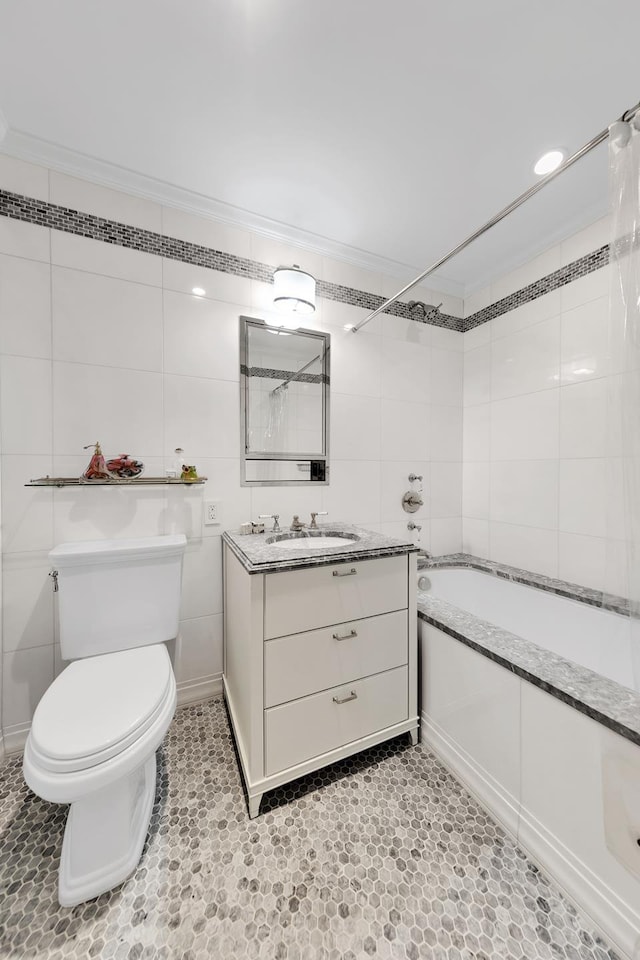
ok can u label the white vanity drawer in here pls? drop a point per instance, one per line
(296, 731)
(304, 663)
(301, 600)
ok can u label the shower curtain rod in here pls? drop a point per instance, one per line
(597, 140)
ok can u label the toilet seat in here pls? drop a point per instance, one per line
(100, 706)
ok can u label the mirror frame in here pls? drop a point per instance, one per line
(246, 323)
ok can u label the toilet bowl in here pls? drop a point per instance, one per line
(96, 730)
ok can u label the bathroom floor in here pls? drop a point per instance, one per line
(383, 855)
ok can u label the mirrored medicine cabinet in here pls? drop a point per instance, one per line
(284, 405)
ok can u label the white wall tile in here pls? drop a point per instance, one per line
(475, 537)
(355, 427)
(542, 308)
(446, 377)
(582, 559)
(446, 536)
(477, 432)
(202, 579)
(25, 405)
(209, 233)
(526, 427)
(27, 606)
(108, 259)
(19, 176)
(24, 239)
(583, 489)
(584, 342)
(27, 512)
(353, 495)
(26, 676)
(477, 375)
(524, 546)
(107, 512)
(356, 364)
(200, 337)
(404, 430)
(583, 420)
(445, 490)
(406, 371)
(590, 287)
(527, 273)
(443, 339)
(201, 416)
(120, 408)
(287, 501)
(480, 336)
(183, 277)
(25, 307)
(475, 490)
(104, 202)
(526, 361)
(445, 433)
(585, 241)
(106, 321)
(525, 492)
(198, 651)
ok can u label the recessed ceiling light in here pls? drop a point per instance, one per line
(198, 291)
(548, 162)
(349, 326)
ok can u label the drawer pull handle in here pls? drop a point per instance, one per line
(352, 696)
(345, 636)
(347, 573)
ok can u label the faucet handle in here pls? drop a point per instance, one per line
(318, 513)
(272, 516)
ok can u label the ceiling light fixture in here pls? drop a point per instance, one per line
(548, 162)
(198, 291)
(294, 291)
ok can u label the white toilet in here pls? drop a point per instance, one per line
(97, 728)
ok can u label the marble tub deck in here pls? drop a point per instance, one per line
(383, 855)
(615, 706)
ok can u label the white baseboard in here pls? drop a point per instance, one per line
(613, 918)
(502, 805)
(196, 691)
(15, 738)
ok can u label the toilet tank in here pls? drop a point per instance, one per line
(117, 594)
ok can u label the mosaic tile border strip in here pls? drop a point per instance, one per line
(553, 281)
(41, 213)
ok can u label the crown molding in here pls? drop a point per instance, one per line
(34, 150)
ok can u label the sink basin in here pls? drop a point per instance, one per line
(311, 541)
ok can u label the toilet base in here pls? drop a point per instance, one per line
(105, 835)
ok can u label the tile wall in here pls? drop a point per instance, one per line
(102, 342)
(542, 478)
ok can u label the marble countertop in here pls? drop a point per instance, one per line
(258, 556)
(599, 698)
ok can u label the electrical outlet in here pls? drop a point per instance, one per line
(212, 512)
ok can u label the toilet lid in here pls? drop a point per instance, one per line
(98, 706)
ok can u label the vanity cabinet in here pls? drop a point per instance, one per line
(319, 663)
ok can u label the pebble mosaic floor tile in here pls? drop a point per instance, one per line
(383, 855)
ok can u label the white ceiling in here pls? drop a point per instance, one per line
(393, 128)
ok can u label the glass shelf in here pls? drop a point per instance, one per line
(132, 482)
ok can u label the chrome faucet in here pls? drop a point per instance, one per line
(272, 516)
(319, 513)
(414, 526)
(296, 523)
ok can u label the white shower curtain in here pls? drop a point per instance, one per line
(623, 495)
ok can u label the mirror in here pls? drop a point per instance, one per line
(284, 405)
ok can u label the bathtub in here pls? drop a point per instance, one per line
(596, 639)
(531, 699)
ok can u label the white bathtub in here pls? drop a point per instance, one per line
(597, 639)
(562, 781)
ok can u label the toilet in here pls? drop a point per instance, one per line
(95, 732)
